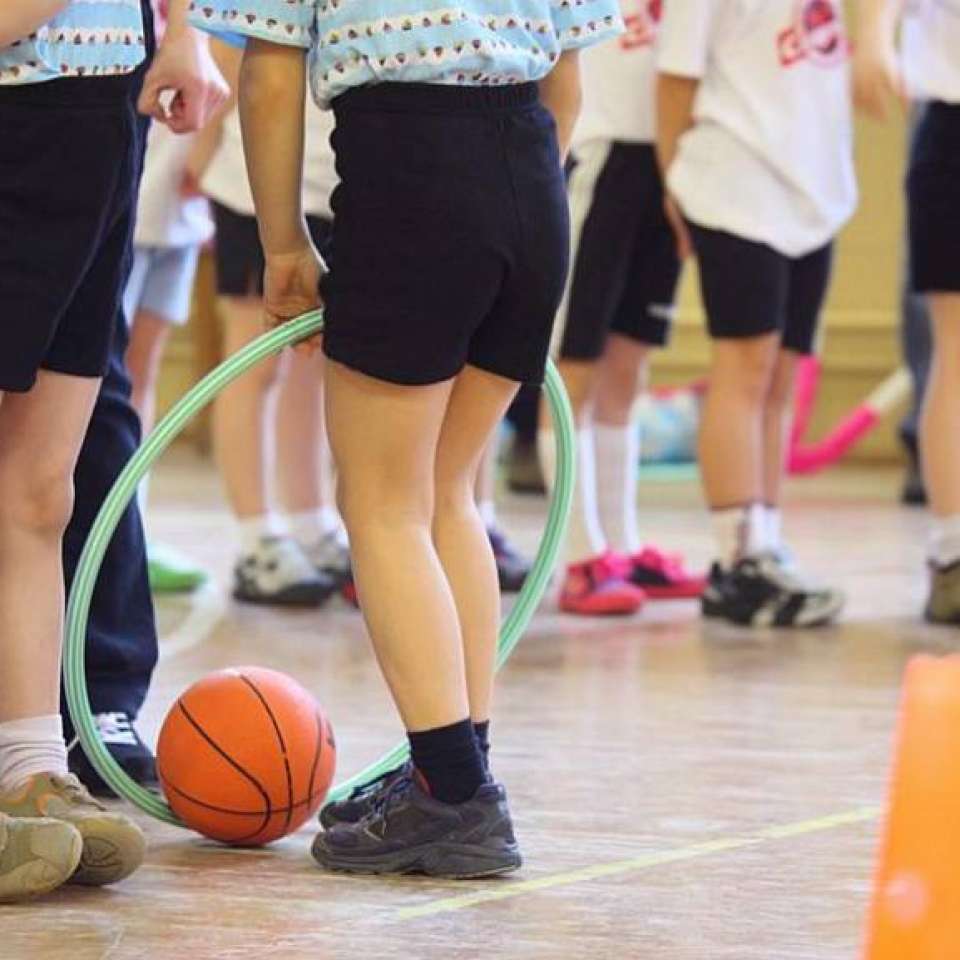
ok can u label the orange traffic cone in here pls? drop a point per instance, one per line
(915, 914)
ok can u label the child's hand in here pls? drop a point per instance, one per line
(291, 287)
(877, 76)
(679, 226)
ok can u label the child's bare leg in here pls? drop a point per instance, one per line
(384, 440)
(732, 435)
(940, 447)
(477, 404)
(940, 435)
(585, 537)
(40, 437)
(148, 339)
(622, 374)
(777, 418)
(243, 415)
(300, 433)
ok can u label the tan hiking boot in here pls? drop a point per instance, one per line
(113, 845)
(36, 856)
(944, 603)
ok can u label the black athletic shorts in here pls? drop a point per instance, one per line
(71, 151)
(450, 234)
(933, 200)
(749, 289)
(239, 255)
(624, 266)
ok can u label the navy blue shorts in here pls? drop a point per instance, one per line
(70, 156)
(933, 200)
(625, 268)
(749, 289)
(450, 234)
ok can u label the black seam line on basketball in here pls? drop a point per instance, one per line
(280, 741)
(233, 763)
(167, 785)
(316, 755)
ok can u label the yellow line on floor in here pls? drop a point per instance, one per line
(508, 891)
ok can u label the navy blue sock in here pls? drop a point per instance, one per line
(449, 759)
(482, 732)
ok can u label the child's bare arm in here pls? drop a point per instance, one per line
(228, 59)
(561, 95)
(272, 92)
(19, 18)
(877, 76)
(675, 98)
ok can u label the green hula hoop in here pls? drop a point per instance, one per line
(78, 609)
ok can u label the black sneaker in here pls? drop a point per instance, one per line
(122, 740)
(512, 568)
(759, 592)
(409, 832)
(363, 799)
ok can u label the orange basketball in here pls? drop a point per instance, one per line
(246, 756)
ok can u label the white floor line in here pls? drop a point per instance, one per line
(207, 608)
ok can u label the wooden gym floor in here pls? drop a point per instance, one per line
(681, 791)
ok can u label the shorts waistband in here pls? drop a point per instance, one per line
(74, 91)
(437, 98)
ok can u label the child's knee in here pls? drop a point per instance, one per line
(746, 368)
(40, 502)
(369, 503)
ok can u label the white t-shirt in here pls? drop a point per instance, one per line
(931, 49)
(164, 217)
(619, 80)
(226, 178)
(770, 156)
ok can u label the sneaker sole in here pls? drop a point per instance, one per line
(57, 857)
(110, 854)
(821, 617)
(452, 861)
(614, 610)
(297, 596)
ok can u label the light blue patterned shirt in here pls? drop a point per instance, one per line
(474, 42)
(89, 38)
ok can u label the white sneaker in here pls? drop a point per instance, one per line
(331, 556)
(279, 572)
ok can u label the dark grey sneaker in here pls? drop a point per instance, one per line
(409, 832)
(943, 605)
(363, 799)
(761, 592)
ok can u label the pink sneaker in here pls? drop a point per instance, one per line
(663, 576)
(600, 587)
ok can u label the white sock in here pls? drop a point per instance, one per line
(31, 746)
(773, 528)
(253, 529)
(488, 513)
(945, 540)
(618, 459)
(309, 526)
(584, 534)
(739, 532)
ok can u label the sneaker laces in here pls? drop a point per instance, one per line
(375, 785)
(609, 566)
(669, 564)
(116, 728)
(74, 791)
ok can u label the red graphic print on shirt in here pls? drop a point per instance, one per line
(817, 35)
(641, 20)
